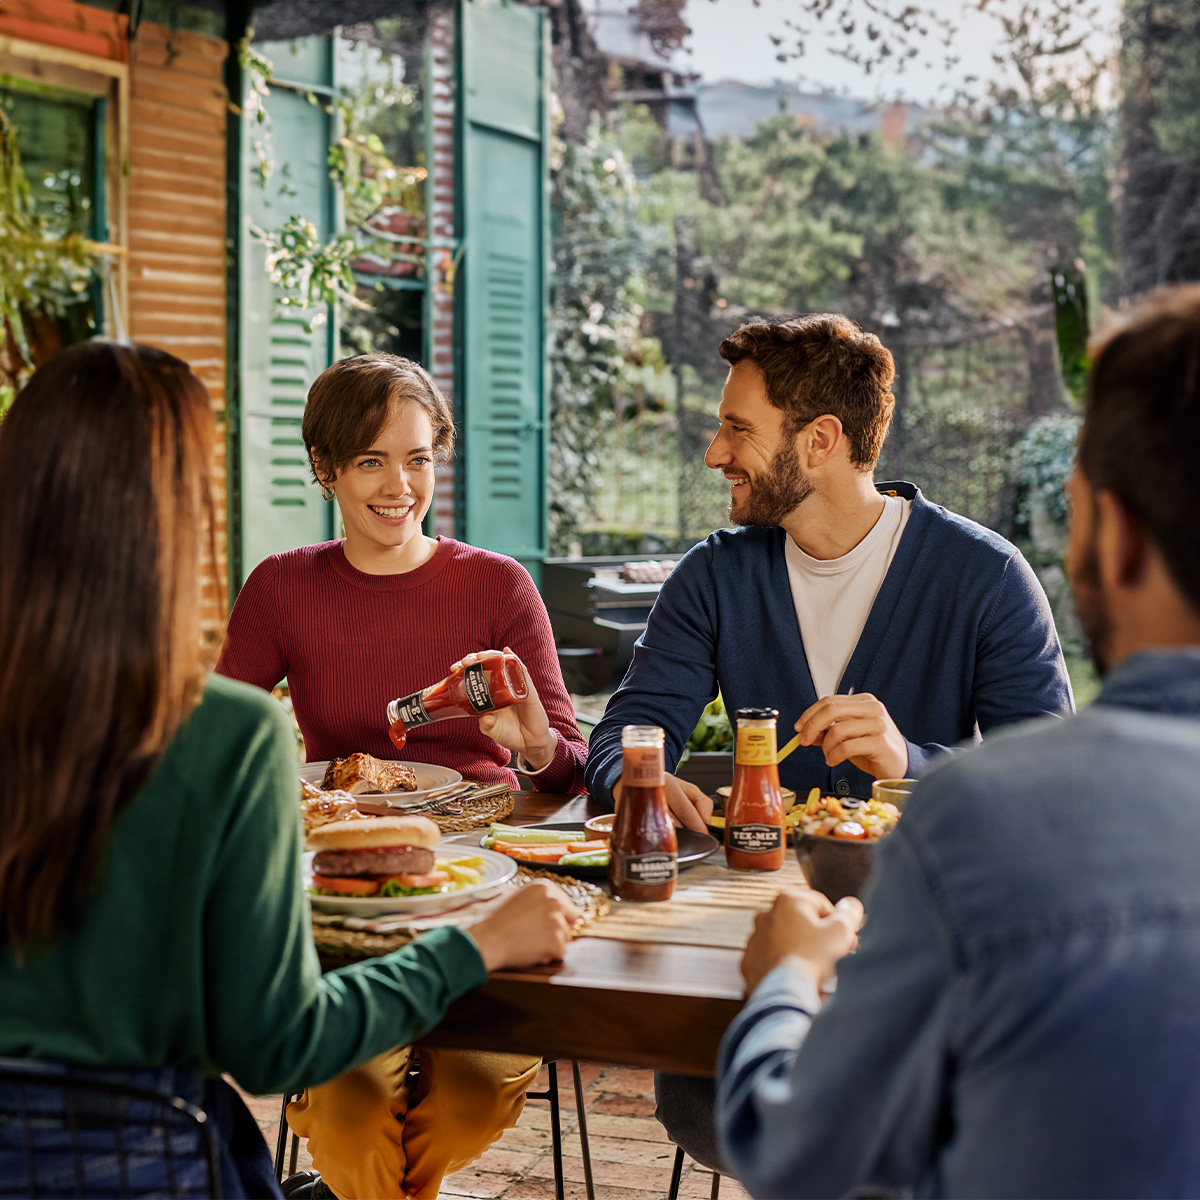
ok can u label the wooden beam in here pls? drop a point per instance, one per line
(23, 47)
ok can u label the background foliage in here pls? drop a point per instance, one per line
(600, 356)
(41, 271)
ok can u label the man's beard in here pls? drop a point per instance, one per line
(1092, 607)
(780, 490)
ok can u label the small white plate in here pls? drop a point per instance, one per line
(497, 870)
(431, 779)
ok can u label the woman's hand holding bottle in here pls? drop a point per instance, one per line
(523, 728)
(531, 928)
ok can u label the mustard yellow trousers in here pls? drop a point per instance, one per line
(372, 1136)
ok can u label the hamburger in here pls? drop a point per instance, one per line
(376, 856)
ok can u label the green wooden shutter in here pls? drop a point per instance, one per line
(503, 186)
(279, 354)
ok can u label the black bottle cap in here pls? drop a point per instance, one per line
(757, 714)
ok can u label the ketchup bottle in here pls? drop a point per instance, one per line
(494, 680)
(644, 859)
(754, 823)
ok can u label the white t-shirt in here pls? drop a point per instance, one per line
(833, 596)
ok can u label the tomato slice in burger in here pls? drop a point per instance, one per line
(346, 884)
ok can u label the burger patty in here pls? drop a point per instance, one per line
(384, 860)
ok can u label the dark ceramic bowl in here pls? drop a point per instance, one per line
(835, 866)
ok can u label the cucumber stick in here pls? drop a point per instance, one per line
(598, 858)
(521, 835)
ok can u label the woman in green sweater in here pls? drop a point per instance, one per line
(152, 910)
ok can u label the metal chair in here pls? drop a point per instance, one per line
(67, 1131)
(550, 1094)
(677, 1176)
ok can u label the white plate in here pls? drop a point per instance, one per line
(497, 870)
(430, 780)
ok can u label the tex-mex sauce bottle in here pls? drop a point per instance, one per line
(644, 859)
(495, 680)
(754, 822)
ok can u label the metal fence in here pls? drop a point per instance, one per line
(964, 399)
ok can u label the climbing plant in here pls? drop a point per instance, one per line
(39, 273)
(308, 270)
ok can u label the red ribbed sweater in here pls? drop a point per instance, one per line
(349, 642)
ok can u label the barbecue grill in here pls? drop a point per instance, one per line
(596, 616)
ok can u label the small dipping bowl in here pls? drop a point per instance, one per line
(601, 826)
(894, 791)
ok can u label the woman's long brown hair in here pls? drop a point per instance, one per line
(106, 524)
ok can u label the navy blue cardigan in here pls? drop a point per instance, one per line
(959, 640)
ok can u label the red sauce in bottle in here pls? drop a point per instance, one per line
(755, 838)
(494, 680)
(643, 864)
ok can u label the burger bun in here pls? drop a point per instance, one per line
(375, 833)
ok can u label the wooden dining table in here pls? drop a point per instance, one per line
(631, 1004)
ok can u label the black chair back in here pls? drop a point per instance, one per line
(101, 1134)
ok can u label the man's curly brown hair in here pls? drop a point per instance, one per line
(822, 363)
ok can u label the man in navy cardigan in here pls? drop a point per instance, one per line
(884, 627)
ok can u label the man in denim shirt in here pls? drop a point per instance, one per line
(1022, 1017)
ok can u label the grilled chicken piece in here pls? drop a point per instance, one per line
(318, 808)
(654, 571)
(360, 773)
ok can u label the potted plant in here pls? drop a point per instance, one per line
(708, 757)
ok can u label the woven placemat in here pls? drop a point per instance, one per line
(343, 937)
(592, 902)
(475, 813)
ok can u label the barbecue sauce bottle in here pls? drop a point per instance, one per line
(754, 822)
(494, 680)
(644, 859)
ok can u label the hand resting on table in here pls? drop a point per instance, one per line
(805, 930)
(531, 928)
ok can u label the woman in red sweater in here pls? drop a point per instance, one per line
(353, 624)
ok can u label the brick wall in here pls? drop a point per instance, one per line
(66, 25)
(177, 284)
(440, 87)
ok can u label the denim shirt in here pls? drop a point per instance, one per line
(1022, 1017)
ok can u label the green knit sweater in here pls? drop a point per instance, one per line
(193, 947)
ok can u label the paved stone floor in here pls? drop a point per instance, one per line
(631, 1157)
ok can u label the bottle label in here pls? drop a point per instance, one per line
(411, 710)
(755, 839)
(642, 766)
(755, 748)
(475, 686)
(654, 868)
